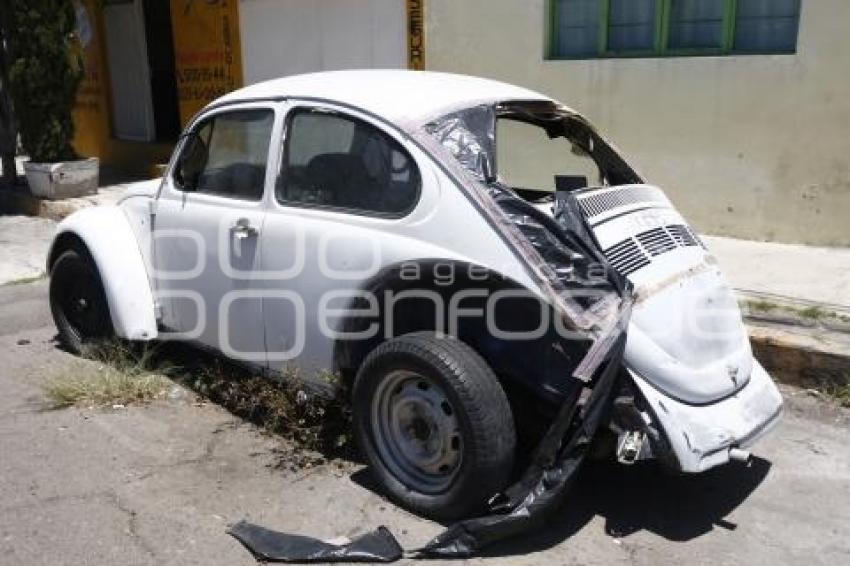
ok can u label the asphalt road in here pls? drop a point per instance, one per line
(159, 484)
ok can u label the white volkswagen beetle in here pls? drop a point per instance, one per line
(460, 249)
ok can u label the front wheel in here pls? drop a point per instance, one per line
(78, 302)
(434, 424)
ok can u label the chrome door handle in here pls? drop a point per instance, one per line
(243, 229)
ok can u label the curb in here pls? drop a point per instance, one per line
(801, 343)
(803, 357)
(16, 201)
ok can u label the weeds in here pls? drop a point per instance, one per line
(813, 312)
(841, 393)
(315, 418)
(25, 280)
(761, 306)
(120, 376)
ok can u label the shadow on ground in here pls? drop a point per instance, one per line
(644, 497)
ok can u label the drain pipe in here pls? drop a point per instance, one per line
(738, 455)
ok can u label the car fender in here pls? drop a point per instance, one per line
(540, 362)
(106, 233)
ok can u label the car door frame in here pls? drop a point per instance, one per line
(170, 195)
(318, 352)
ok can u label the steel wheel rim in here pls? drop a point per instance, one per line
(79, 304)
(416, 431)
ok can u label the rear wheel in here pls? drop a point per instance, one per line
(78, 302)
(434, 424)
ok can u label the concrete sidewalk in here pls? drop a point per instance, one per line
(23, 247)
(785, 272)
(27, 225)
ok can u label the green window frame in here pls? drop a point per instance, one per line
(661, 45)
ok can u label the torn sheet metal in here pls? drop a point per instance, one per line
(272, 546)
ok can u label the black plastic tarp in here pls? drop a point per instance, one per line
(271, 546)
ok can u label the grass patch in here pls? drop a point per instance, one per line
(120, 375)
(312, 417)
(812, 313)
(841, 394)
(104, 386)
(25, 280)
(761, 306)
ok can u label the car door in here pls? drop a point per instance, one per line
(208, 223)
(347, 187)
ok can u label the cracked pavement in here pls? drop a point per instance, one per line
(159, 484)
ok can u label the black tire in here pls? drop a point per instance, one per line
(479, 409)
(78, 302)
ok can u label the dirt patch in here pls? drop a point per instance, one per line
(317, 419)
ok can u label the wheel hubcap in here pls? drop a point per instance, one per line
(416, 431)
(80, 310)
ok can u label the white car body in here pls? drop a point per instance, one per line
(247, 277)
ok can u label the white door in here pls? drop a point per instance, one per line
(207, 233)
(346, 188)
(129, 73)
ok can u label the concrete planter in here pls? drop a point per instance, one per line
(63, 180)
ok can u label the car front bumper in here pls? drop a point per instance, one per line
(701, 436)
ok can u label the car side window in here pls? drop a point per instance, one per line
(336, 161)
(226, 155)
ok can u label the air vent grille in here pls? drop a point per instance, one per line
(599, 203)
(683, 235)
(656, 241)
(634, 253)
(626, 257)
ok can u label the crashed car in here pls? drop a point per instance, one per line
(464, 253)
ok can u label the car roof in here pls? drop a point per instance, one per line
(405, 98)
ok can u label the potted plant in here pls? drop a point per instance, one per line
(45, 69)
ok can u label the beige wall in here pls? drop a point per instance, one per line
(287, 37)
(749, 146)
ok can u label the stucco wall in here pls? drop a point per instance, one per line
(748, 146)
(286, 37)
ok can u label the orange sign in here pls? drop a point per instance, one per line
(91, 115)
(416, 34)
(207, 52)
